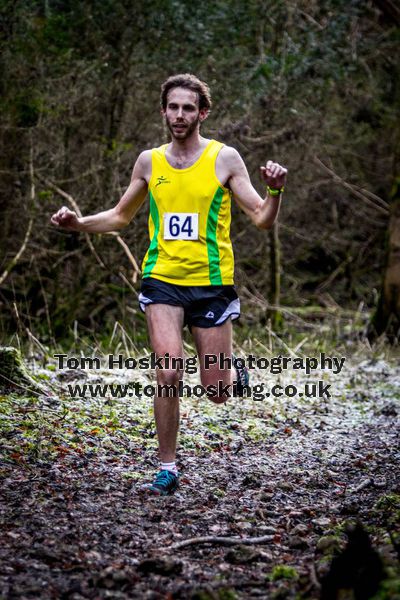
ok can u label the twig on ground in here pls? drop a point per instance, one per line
(23, 387)
(365, 483)
(222, 541)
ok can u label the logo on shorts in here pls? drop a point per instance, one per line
(210, 315)
(162, 179)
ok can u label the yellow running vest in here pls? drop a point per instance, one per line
(189, 222)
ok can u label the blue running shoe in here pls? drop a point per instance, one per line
(242, 377)
(165, 483)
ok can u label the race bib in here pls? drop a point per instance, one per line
(181, 226)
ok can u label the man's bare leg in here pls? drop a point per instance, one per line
(165, 325)
(214, 340)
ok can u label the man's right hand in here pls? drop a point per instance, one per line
(66, 218)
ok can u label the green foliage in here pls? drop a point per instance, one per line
(283, 572)
(45, 195)
(388, 502)
(389, 589)
(27, 109)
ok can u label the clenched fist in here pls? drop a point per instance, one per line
(274, 175)
(66, 218)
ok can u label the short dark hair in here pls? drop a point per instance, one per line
(191, 82)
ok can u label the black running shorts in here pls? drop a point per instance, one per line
(204, 305)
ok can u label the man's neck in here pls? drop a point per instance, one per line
(187, 147)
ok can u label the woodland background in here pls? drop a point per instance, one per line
(313, 85)
(310, 84)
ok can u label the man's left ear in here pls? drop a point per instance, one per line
(203, 114)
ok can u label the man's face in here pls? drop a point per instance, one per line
(182, 113)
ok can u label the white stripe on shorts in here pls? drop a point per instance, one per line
(232, 311)
(143, 301)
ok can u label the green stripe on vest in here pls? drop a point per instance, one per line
(153, 248)
(211, 238)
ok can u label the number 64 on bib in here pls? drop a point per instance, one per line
(181, 226)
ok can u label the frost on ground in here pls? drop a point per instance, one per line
(294, 471)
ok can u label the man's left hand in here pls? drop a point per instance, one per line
(274, 175)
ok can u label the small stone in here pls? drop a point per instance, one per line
(321, 523)
(297, 542)
(300, 529)
(244, 525)
(266, 497)
(242, 555)
(327, 543)
(285, 485)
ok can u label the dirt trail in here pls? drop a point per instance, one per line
(74, 525)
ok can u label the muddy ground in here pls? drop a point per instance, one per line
(298, 472)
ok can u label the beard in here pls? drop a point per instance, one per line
(185, 132)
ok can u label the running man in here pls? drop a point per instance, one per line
(188, 268)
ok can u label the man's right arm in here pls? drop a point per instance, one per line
(117, 217)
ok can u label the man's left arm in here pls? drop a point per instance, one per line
(263, 212)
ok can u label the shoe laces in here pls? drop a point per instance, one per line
(242, 375)
(164, 478)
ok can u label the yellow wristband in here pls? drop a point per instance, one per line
(274, 191)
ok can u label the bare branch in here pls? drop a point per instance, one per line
(322, 286)
(16, 258)
(74, 204)
(136, 270)
(382, 208)
(78, 212)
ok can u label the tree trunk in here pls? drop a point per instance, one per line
(275, 253)
(387, 316)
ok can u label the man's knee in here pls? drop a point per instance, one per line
(221, 390)
(222, 395)
(169, 377)
(218, 399)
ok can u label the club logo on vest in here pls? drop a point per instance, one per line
(210, 315)
(162, 179)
